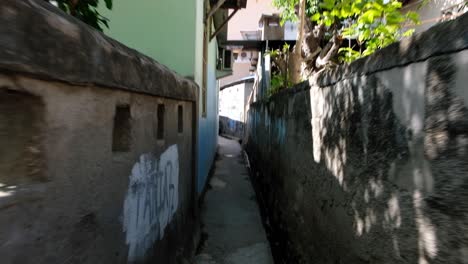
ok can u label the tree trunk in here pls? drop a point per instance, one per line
(329, 51)
(311, 48)
(73, 4)
(295, 59)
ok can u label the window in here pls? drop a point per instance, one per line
(206, 38)
(227, 59)
(180, 119)
(21, 136)
(121, 134)
(161, 113)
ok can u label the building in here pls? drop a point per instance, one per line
(185, 36)
(244, 30)
(251, 33)
(432, 12)
(233, 101)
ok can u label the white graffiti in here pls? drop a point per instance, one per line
(151, 200)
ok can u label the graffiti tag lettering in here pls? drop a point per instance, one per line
(151, 200)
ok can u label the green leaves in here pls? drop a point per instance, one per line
(395, 4)
(315, 17)
(413, 16)
(86, 11)
(327, 4)
(375, 25)
(372, 24)
(408, 32)
(364, 35)
(287, 9)
(394, 18)
(108, 4)
(348, 54)
(346, 11)
(280, 78)
(369, 16)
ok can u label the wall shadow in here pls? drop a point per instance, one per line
(343, 179)
(231, 127)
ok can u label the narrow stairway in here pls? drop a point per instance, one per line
(232, 230)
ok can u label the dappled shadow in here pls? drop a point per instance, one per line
(22, 169)
(359, 172)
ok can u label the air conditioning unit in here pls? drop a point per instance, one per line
(224, 59)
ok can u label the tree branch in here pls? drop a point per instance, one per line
(73, 4)
(329, 51)
(312, 44)
(296, 59)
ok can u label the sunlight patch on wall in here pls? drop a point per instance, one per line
(427, 240)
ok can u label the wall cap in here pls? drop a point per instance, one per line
(443, 38)
(39, 39)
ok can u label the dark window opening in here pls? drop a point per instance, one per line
(227, 59)
(204, 108)
(180, 119)
(205, 68)
(121, 136)
(21, 138)
(161, 112)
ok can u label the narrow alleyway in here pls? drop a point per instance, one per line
(232, 225)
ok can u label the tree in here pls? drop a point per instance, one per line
(85, 10)
(368, 25)
(280, 68)
(295, 65)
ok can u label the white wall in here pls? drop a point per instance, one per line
(430, 13)
(231, 102)
(247, 19)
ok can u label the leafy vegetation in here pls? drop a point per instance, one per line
(279, 70)
(85, 10)
(324, 25)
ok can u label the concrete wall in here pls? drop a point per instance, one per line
(171, 32)
(239, 70)
(369, 163)
(97, 163)
(272, 32)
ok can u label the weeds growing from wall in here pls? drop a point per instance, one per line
(280, 78)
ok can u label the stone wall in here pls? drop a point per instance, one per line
(98, 143)
(368, 163)
(231, 127)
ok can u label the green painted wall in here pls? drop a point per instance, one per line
(199, 28)
(161, 29)
(171, 32)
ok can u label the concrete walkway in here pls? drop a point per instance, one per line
(232, 224)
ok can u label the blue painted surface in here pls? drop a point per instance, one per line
(178, 45)
(208, 126)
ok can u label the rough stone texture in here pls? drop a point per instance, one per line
(371, 167)
(21, 156)
(69, 206)
(88, 172)
(39, 39)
